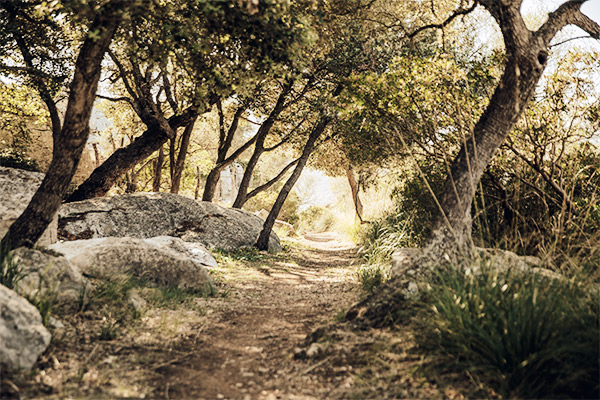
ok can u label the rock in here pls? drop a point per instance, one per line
(195, 251)
(147, 215)
(49, 274)
(22, 336)
(18, 187)
(105, 257)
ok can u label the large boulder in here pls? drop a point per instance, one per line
(22, 336)
(146, 215)
(164, 261)
(18, 187)
(48, 274)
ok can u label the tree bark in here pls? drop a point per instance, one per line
(358, 206)
(68, 146)
(262, 242)
(526, 57)
(183, 150)
(106, 175)
(158, 164)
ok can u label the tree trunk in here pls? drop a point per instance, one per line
(68, 146)
(241, 197)
(259, 148)
(197, 192)
(270, 183)
(526, 57)
(122, 160)
(358, 207)
(263, 238)
(183, 149)
(158, 164)
(210, 187)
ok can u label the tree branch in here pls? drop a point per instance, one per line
(567, 14)
(457, 13)
(270, 183)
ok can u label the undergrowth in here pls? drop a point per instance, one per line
(523, 335)
(10, 272)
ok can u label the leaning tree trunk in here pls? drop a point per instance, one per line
(526, 57)
(263, 238)
(106, 175)
(68, 146)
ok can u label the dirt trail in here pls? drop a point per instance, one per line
(245, 349)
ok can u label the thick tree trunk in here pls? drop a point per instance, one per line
(158, 164)
(526, 57)
(183, 150)
(262, 242)
(106, 175)
(358, 206)
(68, 146)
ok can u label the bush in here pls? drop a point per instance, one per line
(13, 159)
(524, 335)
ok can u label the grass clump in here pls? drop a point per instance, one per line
(243, 254)
(524, 335)
(10, 272)
(371, 276)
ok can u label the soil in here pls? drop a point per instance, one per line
(248, 341)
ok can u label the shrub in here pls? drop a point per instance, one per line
(525, 335)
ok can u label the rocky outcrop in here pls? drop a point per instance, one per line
(146, 215)
(18, 187)
(165, 261)
(22, 336)
(48, 274)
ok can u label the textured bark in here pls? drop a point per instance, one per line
(358, 206)
(181, 156)
(106, 175)
(526, 57)
(262, 242)
(69, 144)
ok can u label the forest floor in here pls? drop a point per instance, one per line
(247, 341)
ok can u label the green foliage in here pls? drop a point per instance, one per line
(371, 276)
(14, 159)
(10, 272)
(525, 335)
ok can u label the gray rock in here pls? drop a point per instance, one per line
(22, 336)
(48, 274)
(18, 187)
(105, 257)
(195, 251)
(146, 215)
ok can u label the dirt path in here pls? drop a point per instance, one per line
(247, 350)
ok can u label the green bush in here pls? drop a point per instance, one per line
(315, 219)
(14, 159)
(524, 335)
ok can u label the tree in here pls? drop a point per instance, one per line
(208, 48)
(70, 139)
(526, 56)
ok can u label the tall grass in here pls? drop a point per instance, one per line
(10, 272)
(524, 335)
